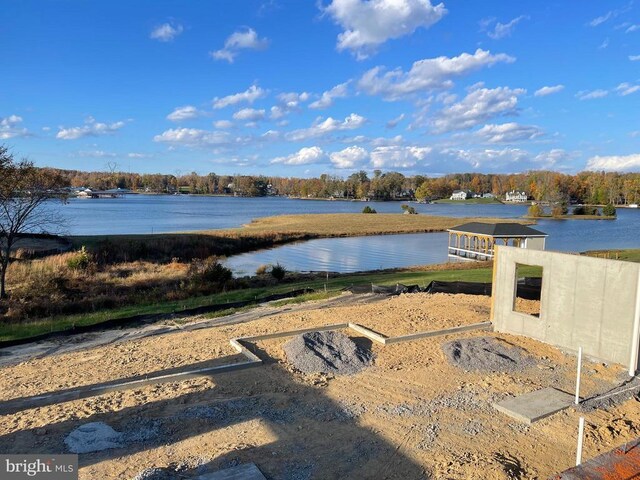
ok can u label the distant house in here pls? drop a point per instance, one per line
(488, 195)
(516, 197)
(460, 195)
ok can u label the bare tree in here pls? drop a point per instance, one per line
(24, 190)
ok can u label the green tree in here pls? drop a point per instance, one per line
(535, 210)
(609, 210)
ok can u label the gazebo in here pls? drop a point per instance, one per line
(475, 240)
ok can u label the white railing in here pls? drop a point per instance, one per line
(464, 253)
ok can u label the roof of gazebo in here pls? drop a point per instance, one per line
(511, 230)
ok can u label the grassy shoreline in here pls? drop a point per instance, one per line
(472, 272)
(571, 217)
(268, 232)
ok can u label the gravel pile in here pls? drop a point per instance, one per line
(326, 352)
(93, 437)
(486, 354)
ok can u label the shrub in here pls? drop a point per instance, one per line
(609, 210)
(262, 270)
(80, 260)
(560, 210)
(368, 209)
(278, 271)
(408, 209)
(585, 210)
(535, 210)
(209, 270)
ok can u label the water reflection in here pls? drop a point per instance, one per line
(348, 254)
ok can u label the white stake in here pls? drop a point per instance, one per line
(580, 435)
(578, 375)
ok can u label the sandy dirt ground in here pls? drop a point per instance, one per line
(410, 415)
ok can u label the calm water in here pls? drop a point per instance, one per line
(163, 213)
(178, 213)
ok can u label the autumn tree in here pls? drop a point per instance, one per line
(24, 190)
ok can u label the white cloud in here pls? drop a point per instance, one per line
(91, 128)
(611, 14)
(508, 133)
(249, 114)
(590, 95)
(480, 105)
(96, 154)
(292, 100)
(304, 156)
(250, 95)
(138, 155)
(327, 98)
(626, 88)
(271, 135)
(350, 157)
(369, 23)
(246, 39)
(502, 30)
(632, 28)
(615, 163)
(323, 127)
(428, 74)
(604, 44)
(288, 102)
(193, 137)
(397, 156)
(188, 112)
(9, 127)
(223, 124)
(166, 32)
(553, 158)
(634, 58)
(488, 159)
(544, 91)
(393, 123)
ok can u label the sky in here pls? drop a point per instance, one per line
(299, 88)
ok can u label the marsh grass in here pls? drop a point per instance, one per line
(120, 276)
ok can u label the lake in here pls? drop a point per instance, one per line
(174, 213)
(179, 213)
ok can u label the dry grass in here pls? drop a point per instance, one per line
(352, 224)
(141, 269)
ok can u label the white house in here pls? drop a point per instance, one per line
(514, 196)
(459, 195)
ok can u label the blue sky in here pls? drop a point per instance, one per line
(301, 88)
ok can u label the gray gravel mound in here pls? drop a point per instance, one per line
(93, 437)
(486, 354)
(326, 352)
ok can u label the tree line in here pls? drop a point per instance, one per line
(584, 187)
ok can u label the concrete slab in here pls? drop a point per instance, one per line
(248, 471)
(534, 406)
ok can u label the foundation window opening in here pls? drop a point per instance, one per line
(526, 298)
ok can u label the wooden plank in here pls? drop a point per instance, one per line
(369, 333)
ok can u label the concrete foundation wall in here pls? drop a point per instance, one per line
(585, 302)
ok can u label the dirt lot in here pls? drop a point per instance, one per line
(410, 415)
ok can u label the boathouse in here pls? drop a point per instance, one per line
(475, 240)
